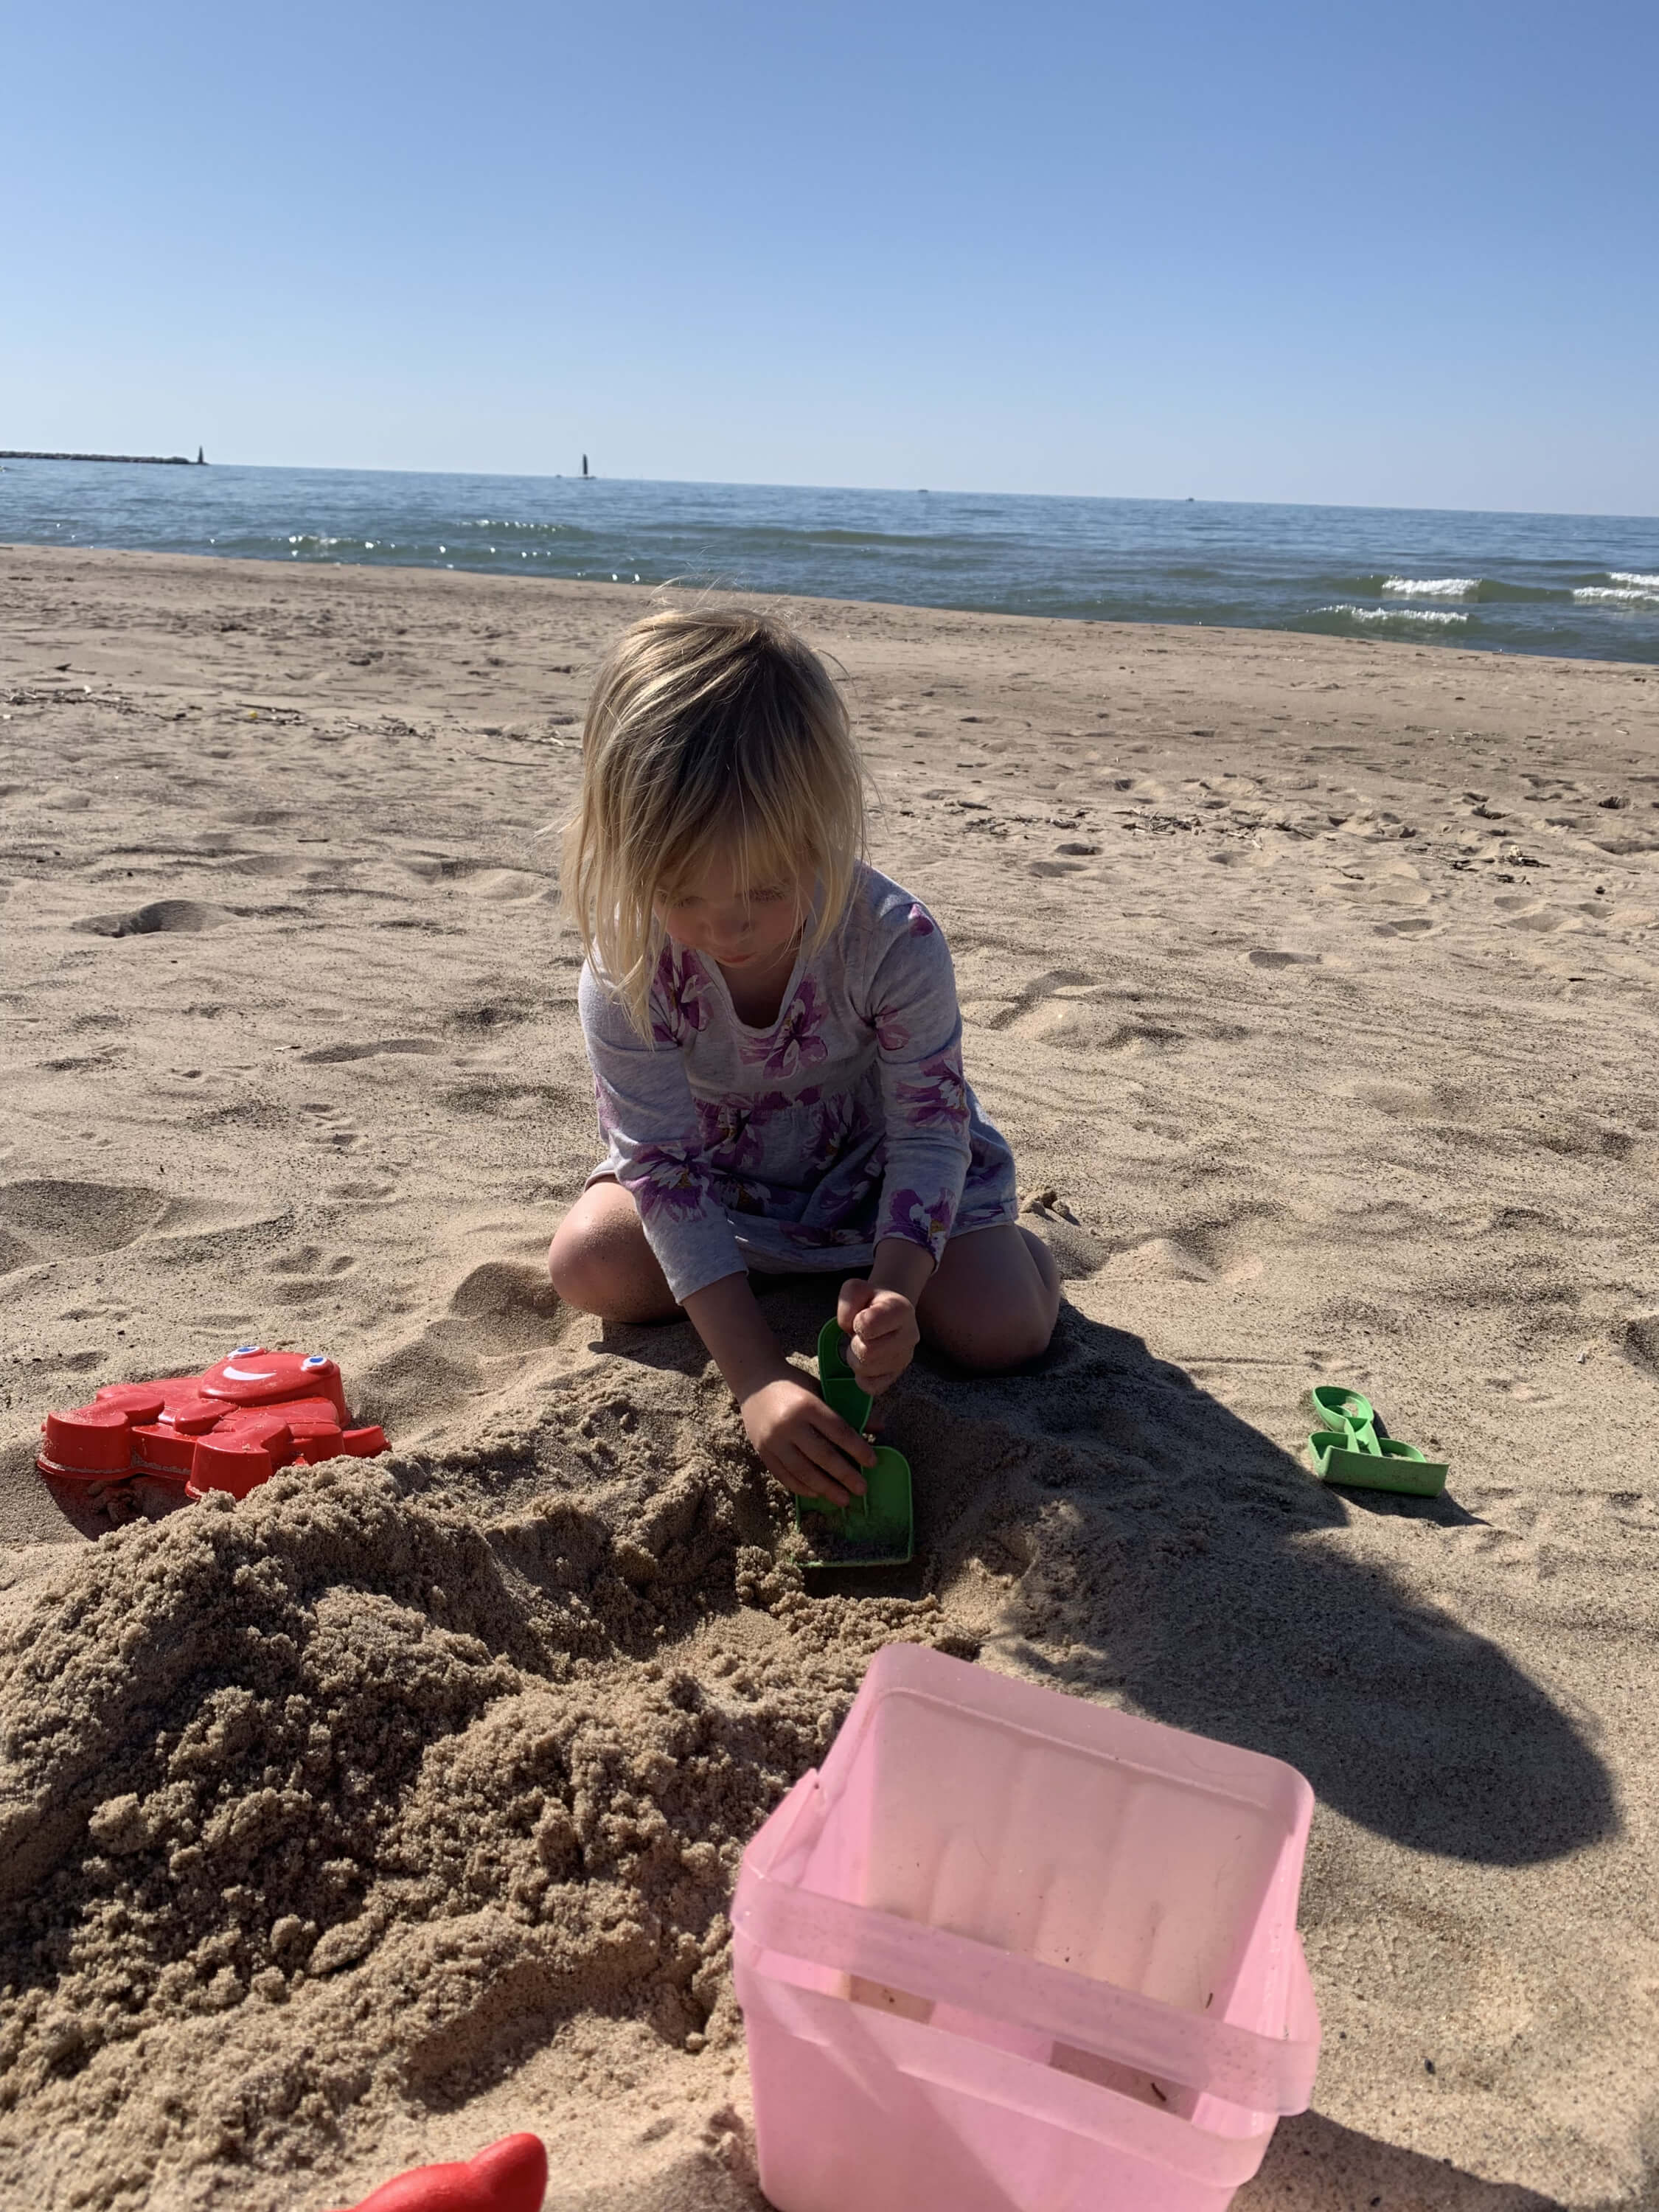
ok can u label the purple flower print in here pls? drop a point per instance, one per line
(737, 1196)
(663, 1180)
(842, 1122)
(731, 1131)
(891, 1032)
(842, 1198)
(984, 1214)
(910, 1216)
(727, 1132)
(921, 923)
(988, 1188)
(676, 998)
(812, 1238)
(942, 1101)
(795, 1042)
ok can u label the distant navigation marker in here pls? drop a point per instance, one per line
(584, 465)
(201, 457)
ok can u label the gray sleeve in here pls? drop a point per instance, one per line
(648, 1117)
(918, 1025)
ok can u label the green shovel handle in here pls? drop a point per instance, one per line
(1344, 1410)
(837, 1382)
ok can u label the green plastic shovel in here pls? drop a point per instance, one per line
(1348, 1447)
(876, 1530)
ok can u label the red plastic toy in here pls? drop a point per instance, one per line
(511, 2176)
(229, 1428)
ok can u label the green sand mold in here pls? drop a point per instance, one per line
(876, 1530)
(1350, 1449)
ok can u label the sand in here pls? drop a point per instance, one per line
(397, 1807)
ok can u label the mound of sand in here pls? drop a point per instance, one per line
(347, 1798)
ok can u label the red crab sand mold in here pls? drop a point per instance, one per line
(229, 1428)
(511, 2176)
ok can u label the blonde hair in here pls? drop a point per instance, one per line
(708, 729)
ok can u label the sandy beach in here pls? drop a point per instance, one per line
(397, 1807)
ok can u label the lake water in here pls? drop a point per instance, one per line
(1582, 584)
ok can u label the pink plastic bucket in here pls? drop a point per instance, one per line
(1011, 1952)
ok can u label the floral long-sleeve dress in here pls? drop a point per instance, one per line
(800, 1146)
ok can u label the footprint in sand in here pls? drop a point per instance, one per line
(1001, 1015)
(1075, 1252)
(500, 1313)
(1542, 921)
(498, 1100)
(1163, 1259)
(259, 865)
(306, 1274)
(1406, 1101)
(161, 917)
(49, 1220)
(1265, 958)
(1640, 1342)
(333, 1055)
(482, 879)
(506, 1305)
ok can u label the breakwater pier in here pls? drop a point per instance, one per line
(146, 460)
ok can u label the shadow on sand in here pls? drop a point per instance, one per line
(1160, 1549)
(1315, 2165)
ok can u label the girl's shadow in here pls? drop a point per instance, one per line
(1183, 1560)
(1154, 1546)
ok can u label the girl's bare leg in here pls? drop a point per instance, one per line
(991, 1302)
(600, 1261)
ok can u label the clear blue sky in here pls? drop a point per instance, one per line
(1245, 249)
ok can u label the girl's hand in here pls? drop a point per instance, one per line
(882, 1333)
(809, 1449)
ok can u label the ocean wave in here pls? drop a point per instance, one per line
(1620, 595)
(504, 525)
(1433, 587)
(1433, 615)
(1633, 576)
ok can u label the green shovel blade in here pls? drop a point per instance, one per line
(876, 1530)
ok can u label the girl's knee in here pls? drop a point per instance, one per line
(578, 1266)
(994, 1343)
(600, 1263)
(1022, 1339)
(995, 1308)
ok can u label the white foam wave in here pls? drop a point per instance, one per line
(1634, 576)
(1618, 595)
(1433, 587)
(1394, 613)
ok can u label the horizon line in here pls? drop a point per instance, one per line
(895, 491)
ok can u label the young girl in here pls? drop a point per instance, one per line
(776, 1047)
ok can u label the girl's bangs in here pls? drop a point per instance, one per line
(759, 859)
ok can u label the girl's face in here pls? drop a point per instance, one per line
(749, 928)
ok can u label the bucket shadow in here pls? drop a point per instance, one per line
(1315, 2165)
